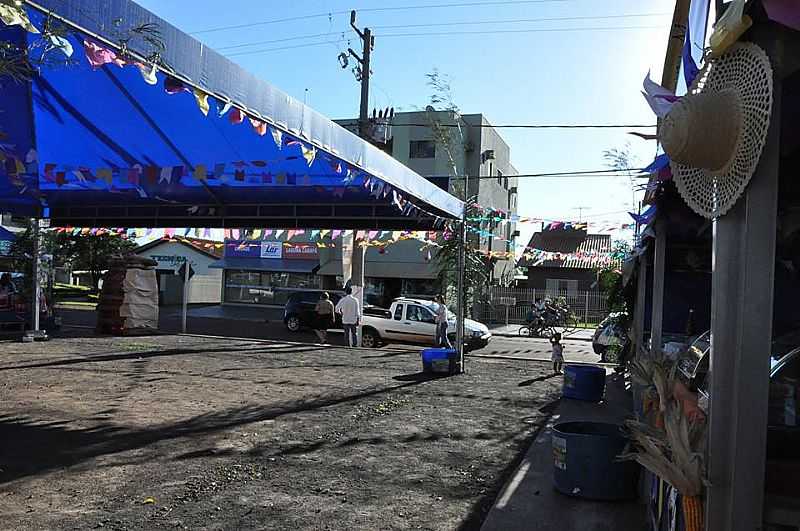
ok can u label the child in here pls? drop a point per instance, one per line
(558, 353)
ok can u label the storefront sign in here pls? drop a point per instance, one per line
(272, 250)
(168, 261)
(301, 251)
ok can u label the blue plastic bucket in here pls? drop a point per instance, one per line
(584, 382)
(439, 360)
(585, 463)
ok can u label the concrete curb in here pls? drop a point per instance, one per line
(517, 336)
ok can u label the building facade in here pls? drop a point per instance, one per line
(576, 271)
(205, 286)
(466, 156)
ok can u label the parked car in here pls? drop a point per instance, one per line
(413, 321)
(298, 313)
(783, 436)
(611, 339)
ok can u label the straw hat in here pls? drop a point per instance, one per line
(715, 134)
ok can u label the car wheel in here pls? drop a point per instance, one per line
(370, 339)
(293, 323)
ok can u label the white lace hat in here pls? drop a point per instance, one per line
(714, 135)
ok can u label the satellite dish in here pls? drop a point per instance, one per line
(430, 108)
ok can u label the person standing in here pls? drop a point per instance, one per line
(441, 324)
(350, 310)
(324, 313)
(558, 353)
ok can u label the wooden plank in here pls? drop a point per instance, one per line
(741, 324)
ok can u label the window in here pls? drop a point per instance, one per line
(256, 287)
(421, 149)
(398, 312)
(419, 314)
(557, 287)
(500, 179)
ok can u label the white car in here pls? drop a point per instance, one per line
(413, 321)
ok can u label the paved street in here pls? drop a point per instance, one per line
(267, 324)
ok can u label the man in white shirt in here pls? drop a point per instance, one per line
(350, 310)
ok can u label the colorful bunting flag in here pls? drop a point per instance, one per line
(202, 101)
(13, 14)
(99, 56)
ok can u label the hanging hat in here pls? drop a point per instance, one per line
(715, 134)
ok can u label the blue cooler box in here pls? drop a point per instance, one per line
(439, 360)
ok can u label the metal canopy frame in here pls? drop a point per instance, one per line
(316, 215)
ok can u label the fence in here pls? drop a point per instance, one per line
(511, 305)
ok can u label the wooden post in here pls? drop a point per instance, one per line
(741, 327)
(659, 263)
(641, 301)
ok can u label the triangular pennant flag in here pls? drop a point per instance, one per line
(174, 86)
(14, 14)
(202, 101)
(256, 234)
(201, 172)
(279, 233)
(335, 234)
(235, 234)
(236, 116)
(166, 174)
(277, 136)
(690, 70)
(148, 73)
(259, 126)
(225, 108)
(309, 153)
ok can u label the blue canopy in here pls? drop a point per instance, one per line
(198, 142)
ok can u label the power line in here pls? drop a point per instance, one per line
(375, 9)
(537, 126)
(451, 23)
(448, 33)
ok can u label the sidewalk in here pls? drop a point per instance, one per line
(529, 501)
(581, 334)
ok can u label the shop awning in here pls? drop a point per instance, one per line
(410, 270)
(267, 264)
(198, 143)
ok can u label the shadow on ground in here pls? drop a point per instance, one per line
(29, 447)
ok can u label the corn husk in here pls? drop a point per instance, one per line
(671, 453)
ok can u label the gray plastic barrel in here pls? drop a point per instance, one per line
(585, 462)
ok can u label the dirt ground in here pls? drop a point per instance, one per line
(203, 433)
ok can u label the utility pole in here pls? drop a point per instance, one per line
(363, 73)
(580, 210)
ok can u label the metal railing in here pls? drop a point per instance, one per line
(512, 305)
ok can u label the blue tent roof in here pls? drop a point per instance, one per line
(101, 147)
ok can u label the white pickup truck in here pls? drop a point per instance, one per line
(414, 321)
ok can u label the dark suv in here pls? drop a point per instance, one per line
(299, 310)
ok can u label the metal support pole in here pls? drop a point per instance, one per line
(461, 286)
(185, 296)
(586, 311)
(659, 263)
(37, 281)
(741, 327)
(357, 281)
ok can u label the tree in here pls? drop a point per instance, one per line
(85, 252)
(609, 278)
(475, 275)
(447, 138)
(92, 252)
(623, 160)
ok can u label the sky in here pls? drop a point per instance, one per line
(528, 71)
